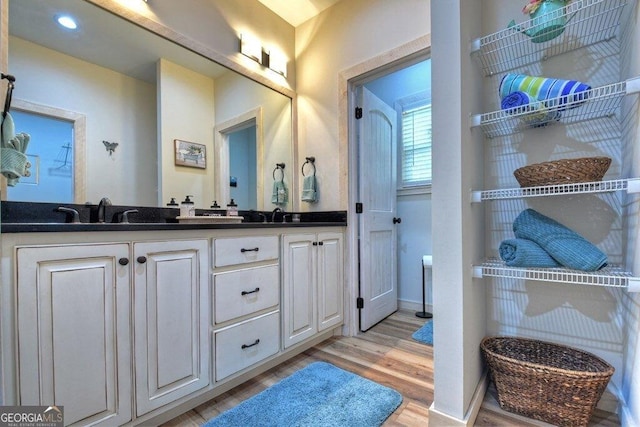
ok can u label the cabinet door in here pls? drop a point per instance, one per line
(74, 331)
(330, 280)
(171, 318)
(298, 266)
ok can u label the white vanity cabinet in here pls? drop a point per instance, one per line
(73, 326)
(246, 300)
(313, 283)
(171, 318)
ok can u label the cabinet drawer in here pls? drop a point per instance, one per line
(241, 292)
(242, 250)
(247, 343)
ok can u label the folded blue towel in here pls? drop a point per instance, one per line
(280, 194)
(309, 193)
(525, 253)
(564, 245)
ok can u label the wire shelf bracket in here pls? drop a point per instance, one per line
(587, 22)
(610, 276)
(595, 103)
(631, 185)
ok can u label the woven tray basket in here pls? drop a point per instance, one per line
(565, 171)
(545, 381)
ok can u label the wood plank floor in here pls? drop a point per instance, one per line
(386, 354)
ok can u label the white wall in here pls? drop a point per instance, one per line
(118, 108)
(185, 96)
(342, 36)
(630, 67)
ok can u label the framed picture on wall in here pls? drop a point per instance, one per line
(190, 154)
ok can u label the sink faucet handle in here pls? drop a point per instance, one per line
(125, 215)
(263, 217)
(76, 215)
(284, 218)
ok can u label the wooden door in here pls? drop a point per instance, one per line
(74, 331)
(172, 318)
(377, 191)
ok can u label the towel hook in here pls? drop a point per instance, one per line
(281, 167)
(312, 162)
(10, 86)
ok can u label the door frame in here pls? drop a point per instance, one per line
(384, 63)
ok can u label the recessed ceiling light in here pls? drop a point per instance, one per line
(67, 22)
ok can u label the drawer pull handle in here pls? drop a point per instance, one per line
(243, 250)
(256, 342)
(250, 292)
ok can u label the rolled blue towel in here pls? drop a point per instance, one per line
(563, 244)
(516, 102)
(537, 114)
(525, 253)
(557, 92)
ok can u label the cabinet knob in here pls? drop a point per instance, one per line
(397, 220)
(141, 259)
(123, 261)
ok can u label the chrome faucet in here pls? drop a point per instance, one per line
(273, 214)
(101, 208)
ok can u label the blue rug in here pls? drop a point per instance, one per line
(425, 333)
(317, 395)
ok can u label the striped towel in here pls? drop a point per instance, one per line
(557, 92)
(525, 253)
(564, 245)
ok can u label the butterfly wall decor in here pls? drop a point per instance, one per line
(110, 146)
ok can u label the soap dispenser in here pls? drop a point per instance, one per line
(187, 207)
(232, 208)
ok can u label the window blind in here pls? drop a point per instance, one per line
(416, 146)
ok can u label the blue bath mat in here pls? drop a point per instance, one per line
(317, 395)
(425, 333)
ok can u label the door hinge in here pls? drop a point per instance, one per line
(359, 302)
(358, 207)
(358, 113)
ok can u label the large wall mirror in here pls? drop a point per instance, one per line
(142, 97)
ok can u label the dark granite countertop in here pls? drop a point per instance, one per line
(27, 217)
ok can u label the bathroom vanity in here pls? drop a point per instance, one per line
(137, 323)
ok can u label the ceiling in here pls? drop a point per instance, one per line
(295, 12)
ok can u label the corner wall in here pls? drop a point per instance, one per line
(459, 300)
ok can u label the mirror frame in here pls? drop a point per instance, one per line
(114, 7)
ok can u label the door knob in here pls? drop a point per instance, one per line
(397, 220)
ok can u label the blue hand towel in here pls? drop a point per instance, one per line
(563, 244)
(525, 253)
(309, 193)
(280, 194)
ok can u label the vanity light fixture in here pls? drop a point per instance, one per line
(67, 22)
(251, 48)
(278, 62)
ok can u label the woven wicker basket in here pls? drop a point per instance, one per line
(565, 171)
(545, 381)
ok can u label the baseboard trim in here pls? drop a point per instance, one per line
(437, 418)
(413, 306)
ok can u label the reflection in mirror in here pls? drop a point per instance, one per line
(55, 151)
(242, 166)
(142, 92)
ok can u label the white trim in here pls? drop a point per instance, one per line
(437, 418)
(415, 190)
